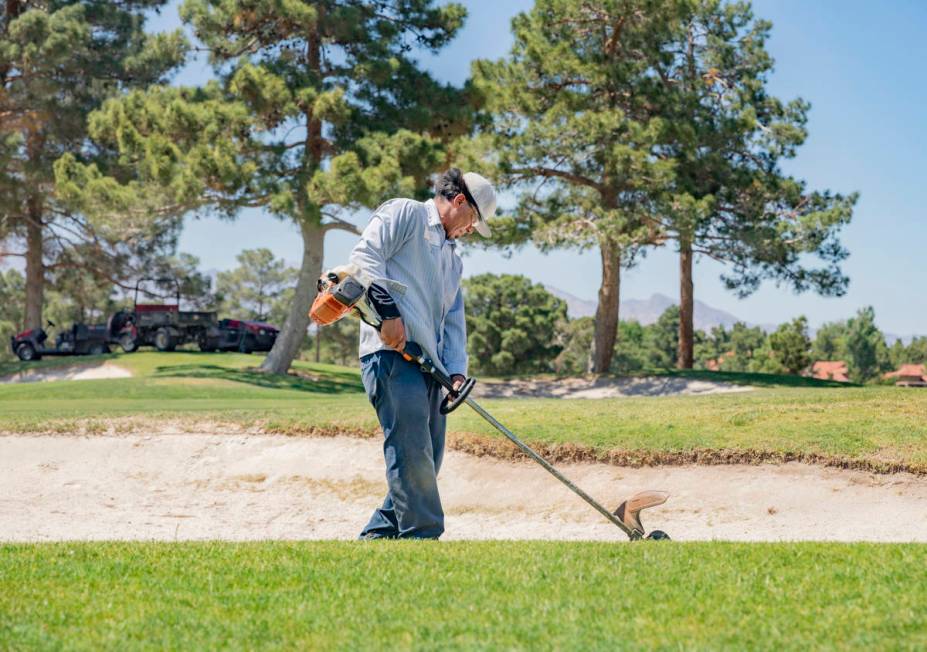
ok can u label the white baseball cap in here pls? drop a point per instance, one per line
(484, 196)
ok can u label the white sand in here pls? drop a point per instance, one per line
(603, 387)
(209, 486)
(70, 372)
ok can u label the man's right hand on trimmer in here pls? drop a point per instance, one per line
(393, 334)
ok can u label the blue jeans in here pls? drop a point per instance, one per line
(407, 404)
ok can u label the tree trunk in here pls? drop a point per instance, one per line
(684, 355)
(286, 347)
(35, 268)
(606, 314)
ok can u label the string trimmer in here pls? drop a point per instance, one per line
(342, 292)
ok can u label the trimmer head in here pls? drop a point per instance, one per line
(629, 511)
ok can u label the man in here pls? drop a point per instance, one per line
(408, 251)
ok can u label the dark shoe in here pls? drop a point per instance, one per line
(369, 536)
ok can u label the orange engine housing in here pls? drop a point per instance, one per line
(326, 309)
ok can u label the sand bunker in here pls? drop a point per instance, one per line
(596, 387)
(238, 487)
(69, 372)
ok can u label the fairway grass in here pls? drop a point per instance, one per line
(463, 595)
(877, 428)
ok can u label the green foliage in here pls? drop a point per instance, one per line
(195, 286)
(914, 353)
(568, 127)
(464, 595)
(259, 288)
(58, 63)
(297, 122)
(865, 345)
(574, 337)
(663, 339)
(511, 324)
(860, 343)
(787, 350)
(732, 350)
(830, 342)
(12, 289)
(631, 348)
(727, 135)
(623, 125)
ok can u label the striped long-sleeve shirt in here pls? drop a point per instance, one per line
(405, 243)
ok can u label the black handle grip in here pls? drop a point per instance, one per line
(455, 399)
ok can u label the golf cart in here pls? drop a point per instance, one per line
(238, 335)
(80, 339)
(162, 325)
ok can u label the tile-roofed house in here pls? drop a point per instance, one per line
(909, 375)
(830, 370)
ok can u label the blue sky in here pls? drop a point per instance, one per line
(860, 64)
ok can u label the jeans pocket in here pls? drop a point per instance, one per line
(376, 370)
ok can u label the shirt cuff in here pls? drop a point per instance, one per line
(456, 367)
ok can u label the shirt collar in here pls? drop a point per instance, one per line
(434, 219)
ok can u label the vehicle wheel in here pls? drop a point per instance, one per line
(26, 352)
(245, 345)
(128, 343)
(163, 340)
(203, 342)
(98, 349)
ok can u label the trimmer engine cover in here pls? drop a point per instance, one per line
(334, 301)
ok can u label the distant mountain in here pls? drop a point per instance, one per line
(647, 311)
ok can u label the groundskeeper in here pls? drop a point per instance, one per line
(408, 250)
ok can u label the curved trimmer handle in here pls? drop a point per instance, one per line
(455, 397)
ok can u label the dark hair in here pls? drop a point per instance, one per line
(451, 183)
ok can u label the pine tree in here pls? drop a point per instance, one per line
(58, 62)
(726, 136)
(866, 346)
(317, 109)
(629, 123)
(512, 324)
(253, 289)
(790, 347)
(573, 130)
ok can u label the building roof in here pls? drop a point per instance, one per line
(830, 370)
(908, 371)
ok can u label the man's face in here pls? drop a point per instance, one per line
(460, 218)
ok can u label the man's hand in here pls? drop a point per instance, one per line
(393, 334)
(458, 380)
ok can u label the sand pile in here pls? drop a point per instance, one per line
(236, 487)
(70, 372)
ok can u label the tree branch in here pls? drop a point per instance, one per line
(340, 225)
(560, 174)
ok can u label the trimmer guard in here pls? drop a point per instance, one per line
(629, 511)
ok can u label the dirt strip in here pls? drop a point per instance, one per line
(245, 486)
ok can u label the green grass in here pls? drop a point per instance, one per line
(463, 595)
(885, 427)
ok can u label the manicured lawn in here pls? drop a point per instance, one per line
(884, 427)
(463, 595)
